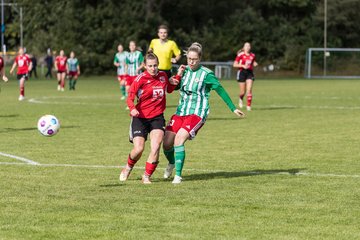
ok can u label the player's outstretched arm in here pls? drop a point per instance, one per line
(13, 68)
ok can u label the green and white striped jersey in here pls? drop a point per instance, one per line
(120, 58)
(72, 64)
(195, 87)
(134, 60)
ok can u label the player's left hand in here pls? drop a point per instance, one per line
(173, 60)
(239, 113)
(5, 78)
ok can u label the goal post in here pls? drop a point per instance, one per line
(332, 63)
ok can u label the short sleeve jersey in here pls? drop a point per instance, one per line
(164, 51)
(120, 58)
(151, 94)
(61, 63)
(195, 87)
(245, 59)
(134, 60)
(72, 63)
(23, 63)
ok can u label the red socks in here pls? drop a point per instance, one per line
(249, 99)
(241, 96)
(22, 91)
(150, 168)
(130, 162)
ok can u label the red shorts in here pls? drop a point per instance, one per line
(130, 80)
(73, 73)
(121, 77)
(191, 123)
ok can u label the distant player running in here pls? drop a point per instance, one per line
(24, 65)
(119, 62)
(167, 50)
(245, 61)
(60, 67)
(73, 70)
(2, 70)
(134, 63)
(150, 89)
(195, 86)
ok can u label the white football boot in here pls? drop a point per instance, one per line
(21, 98)
(241, 103)
(177, 179)
(125, 173)
(248, 108)
(168, 170)
(146, 179)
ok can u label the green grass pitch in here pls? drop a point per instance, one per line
(289, 170)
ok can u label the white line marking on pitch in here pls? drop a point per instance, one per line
(246, 173)
(28, 161)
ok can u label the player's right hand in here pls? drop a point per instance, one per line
(239, 113)
(134, 113)
(5, 78)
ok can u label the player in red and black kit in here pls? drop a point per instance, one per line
(60, 66)
(245, 61)
(2, 70)
(24, 64)
(147, 116)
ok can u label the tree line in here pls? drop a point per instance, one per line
(280, 31)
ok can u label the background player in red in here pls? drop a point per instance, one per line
(245, 61)
(24, 65)
(2, 70)
(60, 66)
(147, 116)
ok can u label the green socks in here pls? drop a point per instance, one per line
(72, 84)
(122, 89)
(169, 154)
(179, 159)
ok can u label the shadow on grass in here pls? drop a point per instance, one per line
(5, 130)
(214, 175)
(112, 185)
(10, 116)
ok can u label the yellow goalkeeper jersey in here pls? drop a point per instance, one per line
(164, 51)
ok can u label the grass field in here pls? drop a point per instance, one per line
(290, 170)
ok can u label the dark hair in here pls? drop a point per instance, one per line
(195, 47)
(151, 56)
(163, 26)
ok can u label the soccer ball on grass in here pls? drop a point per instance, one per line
(48, 125)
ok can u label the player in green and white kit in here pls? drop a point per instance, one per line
(119, 62)
(196, 82)
(73, 70)
(134, 63)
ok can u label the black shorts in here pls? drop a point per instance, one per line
(141, 127)
(168, 72)
(20, 76)
(245, 74)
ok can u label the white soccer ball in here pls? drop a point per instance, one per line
(48, 125)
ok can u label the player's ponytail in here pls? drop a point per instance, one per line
(195, 47)
(151, 56)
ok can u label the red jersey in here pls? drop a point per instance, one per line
(1, 63)
(150, 92)
(61, 63)
(244, 59)
(23, 63)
